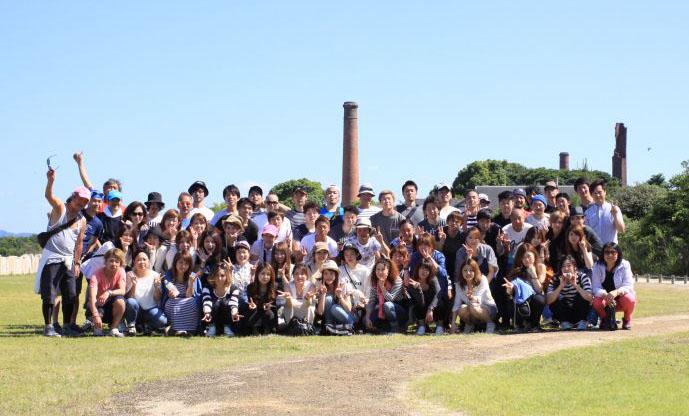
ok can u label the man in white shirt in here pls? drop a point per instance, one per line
(199, 192)
(605, 218)
(444, 198)
(366, 208)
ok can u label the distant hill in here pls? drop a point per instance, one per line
(4, 233)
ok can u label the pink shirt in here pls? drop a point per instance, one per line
(100, 280)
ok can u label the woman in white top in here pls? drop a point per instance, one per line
(613, 287)
(474, 303)
(143, 296)
(299, 296)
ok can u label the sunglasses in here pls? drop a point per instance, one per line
(138, 214)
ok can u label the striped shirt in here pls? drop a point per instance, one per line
(209, 297)
(569, 292)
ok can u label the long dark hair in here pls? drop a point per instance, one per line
(254, 288)
(130, 210)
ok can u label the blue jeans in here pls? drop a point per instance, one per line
(336, 314)
(154, 317)
(395, 314)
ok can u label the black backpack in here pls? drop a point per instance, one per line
(298, 327)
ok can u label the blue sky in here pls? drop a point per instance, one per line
(160, 94)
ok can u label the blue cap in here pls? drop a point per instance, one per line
(539, 197)
(114, 195)
(519, 191)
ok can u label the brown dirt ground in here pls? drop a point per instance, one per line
(355, 383)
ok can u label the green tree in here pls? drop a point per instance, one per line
(637, 201)
(502, 172)
(284, 190)
(16, 246)
(658, 179)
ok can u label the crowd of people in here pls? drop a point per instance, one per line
(259, 266)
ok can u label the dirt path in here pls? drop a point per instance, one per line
(355, 383)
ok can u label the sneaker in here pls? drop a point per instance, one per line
(565, 326)
(49, 331)
(582, 325)
(228, 331)
(211, 331)
(131, 330)
(181, 334)
(490, 328)
(421, 330)
(468, 328)
(627, 325)
(116, 333)
(98, 332)
(87, 326)
(439, 330)
(71, 332)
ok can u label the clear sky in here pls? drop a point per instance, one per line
(162, 93)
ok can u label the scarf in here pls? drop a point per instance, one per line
(381, 299)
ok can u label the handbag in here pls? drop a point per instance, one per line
(298, 327)
(44, 237)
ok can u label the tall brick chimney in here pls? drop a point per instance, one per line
(619, 156)
(350, 153)
(564, 161)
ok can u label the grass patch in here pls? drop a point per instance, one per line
(41, 376)
(632, 377)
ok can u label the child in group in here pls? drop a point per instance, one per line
(261, 296)
(220, 303)
(356, 277)
(424, 290)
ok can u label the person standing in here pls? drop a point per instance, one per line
(154, 207)
(444, 198)
(605, 218)
(199, 192)
(331, 207)
(409, 208)
(61, 258)
(387, 221)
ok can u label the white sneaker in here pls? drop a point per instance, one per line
(490, 328)
(211, 331)
(565, 326)
(116, 333)
(468, 329)
(421, 330)
(582, 325)
(131, 330)
(439, 330)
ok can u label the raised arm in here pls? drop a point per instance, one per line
(57, 206)
(79, 158)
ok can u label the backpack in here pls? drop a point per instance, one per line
(298, 327)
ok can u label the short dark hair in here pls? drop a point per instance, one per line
(311, 205)
(429, 200)
(113, 181)
(614, 246)
(505, 195)
(564, 195)
(468, 191)
(322, 218)
(231, 189)
(532, 190)
(581, 181)
(351, 208)
(256, 189)
(409, 182)
(597, 183)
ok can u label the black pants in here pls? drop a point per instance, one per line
(221, 314)
(536, 305)
(570, 312)
(260, 321)
(502, 301)
(53, 277)
(439, 313)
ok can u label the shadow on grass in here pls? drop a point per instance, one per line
(20, 330)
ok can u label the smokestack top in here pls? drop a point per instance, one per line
(564, 153)
(350, 104)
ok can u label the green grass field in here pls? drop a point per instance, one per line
(41, 375)
(632, 377)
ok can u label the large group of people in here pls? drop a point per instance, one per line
(259, 266)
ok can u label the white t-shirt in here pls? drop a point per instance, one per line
(310, 240)
(516, 238)
(144, 291)
(368, 251)
(357, 278)
(542, 223)
(446, 211)
(367, 212)
(207, 212)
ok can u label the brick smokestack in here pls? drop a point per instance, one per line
(619, 156)
(564, 161)
(350, 153)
